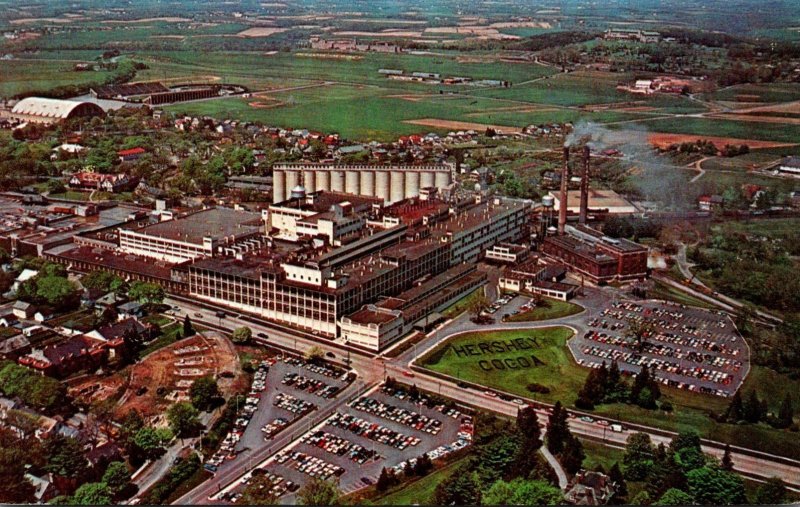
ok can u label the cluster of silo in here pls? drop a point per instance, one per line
(390, 183)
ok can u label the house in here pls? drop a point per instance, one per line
(131, 309)
(14, 347)
(709, 202)
(8, 320)
(23, 310)
(68, 356)
(44, 488)
(106, 182)
(130, 155)
(26, 275)
(789, 166)
(590, 488)
(44, 314)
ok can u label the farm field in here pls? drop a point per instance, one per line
(37, 76)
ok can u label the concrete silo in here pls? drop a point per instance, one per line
(367, 183)
(292, 180)
(412, 184)
(427, 179)
(352, 182)
(382, 185)
(442, 179)
(337, 181)
(310, 180)
(323, 180)
(397, 188)
(278, 186)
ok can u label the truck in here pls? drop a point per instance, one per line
(616, 428)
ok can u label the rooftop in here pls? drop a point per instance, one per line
(216, 223)
(322, 201)
(372, 315)
(598, 199)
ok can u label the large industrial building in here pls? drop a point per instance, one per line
(389, 183)
(208, 233)
(401, 262)
(43, 110)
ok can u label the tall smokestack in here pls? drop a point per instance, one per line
(562, 208)
(584, 186)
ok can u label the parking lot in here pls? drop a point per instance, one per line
(282, 392)
(382, 428)
(689, 348)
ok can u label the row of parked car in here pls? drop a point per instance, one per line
(309, 385)
(372, 431)
(464, 438)
(227, 449)
(309, 465)
(273, 428)
(320, 369)
(277, 484)
(398, 414)
(338, 446)
(402, 394)
(291, 404)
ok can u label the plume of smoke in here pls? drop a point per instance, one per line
(656, 178)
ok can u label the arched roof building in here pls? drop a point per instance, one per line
(43, 110)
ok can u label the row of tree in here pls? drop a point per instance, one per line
(606, 385)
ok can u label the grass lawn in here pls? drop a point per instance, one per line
(72, 195)
(547, 309)
(462, 304)
(598, 454)
(559, 372)
(421, 490)
(663, 291)
(168, 337)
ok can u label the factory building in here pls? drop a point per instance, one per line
(389, 183)
(208, 233)
(353, 284)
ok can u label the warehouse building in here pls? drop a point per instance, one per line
(43, 110)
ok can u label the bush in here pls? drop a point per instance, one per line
(666, 406)
(537, 388)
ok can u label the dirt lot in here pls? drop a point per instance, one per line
(261, 31)
(462, 125)
(663, 141)
(173, 367)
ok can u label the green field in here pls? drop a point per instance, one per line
(663, 291)
(548, 309)
(421, 490)
(559, 372)
(38, 76)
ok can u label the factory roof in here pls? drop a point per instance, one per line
(322, 201)
(52, 108)
(216, 223)
(598, 199)
(580, 247)
(113, 261)
(372, 315)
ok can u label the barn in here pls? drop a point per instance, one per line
(43, 110)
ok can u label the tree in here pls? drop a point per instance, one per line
(188, 329)
(131, 424)
(786, 412)
(557, 429)
(146, 293)
(771, 492)
(641, 498)
(638, 330)
(727, 461)
(735, 412)
(183, 419)
(477, 304)
(57, 291)
(259, 492)
(615, 474)
(675, 496)
(687, 450)
(423, 465)
(92, 493)
(315, 354)
(14, 488)
(147, 443)
(117, 477)
(753, 408)
(461, 488)
(100, 280)
(522, 492)
(242, 335)
(386, 480)
(65, 457)
(204, 393)
(318, 492)
(530, 440)
(710, 485)
(638, 459)
(572, 457)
